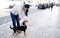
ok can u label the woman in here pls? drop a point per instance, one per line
(16, 12)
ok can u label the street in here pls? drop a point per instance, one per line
(42, 24)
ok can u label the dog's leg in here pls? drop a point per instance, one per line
(24, 33)
(14, 32)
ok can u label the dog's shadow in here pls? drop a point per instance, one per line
(16, 35)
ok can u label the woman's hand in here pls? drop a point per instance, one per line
(19, 18)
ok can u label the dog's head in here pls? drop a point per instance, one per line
(25, 22)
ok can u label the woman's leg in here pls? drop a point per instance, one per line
(17, 20)
(13, 20)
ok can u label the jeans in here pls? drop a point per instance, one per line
(15, 20)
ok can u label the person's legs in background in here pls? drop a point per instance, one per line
(26, 12)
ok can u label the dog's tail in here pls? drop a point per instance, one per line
(11, 27)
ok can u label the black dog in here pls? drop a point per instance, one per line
(21, 28)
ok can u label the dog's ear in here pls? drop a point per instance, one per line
(23, 23)
(26, 20)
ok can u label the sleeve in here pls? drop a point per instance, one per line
(22, 14)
